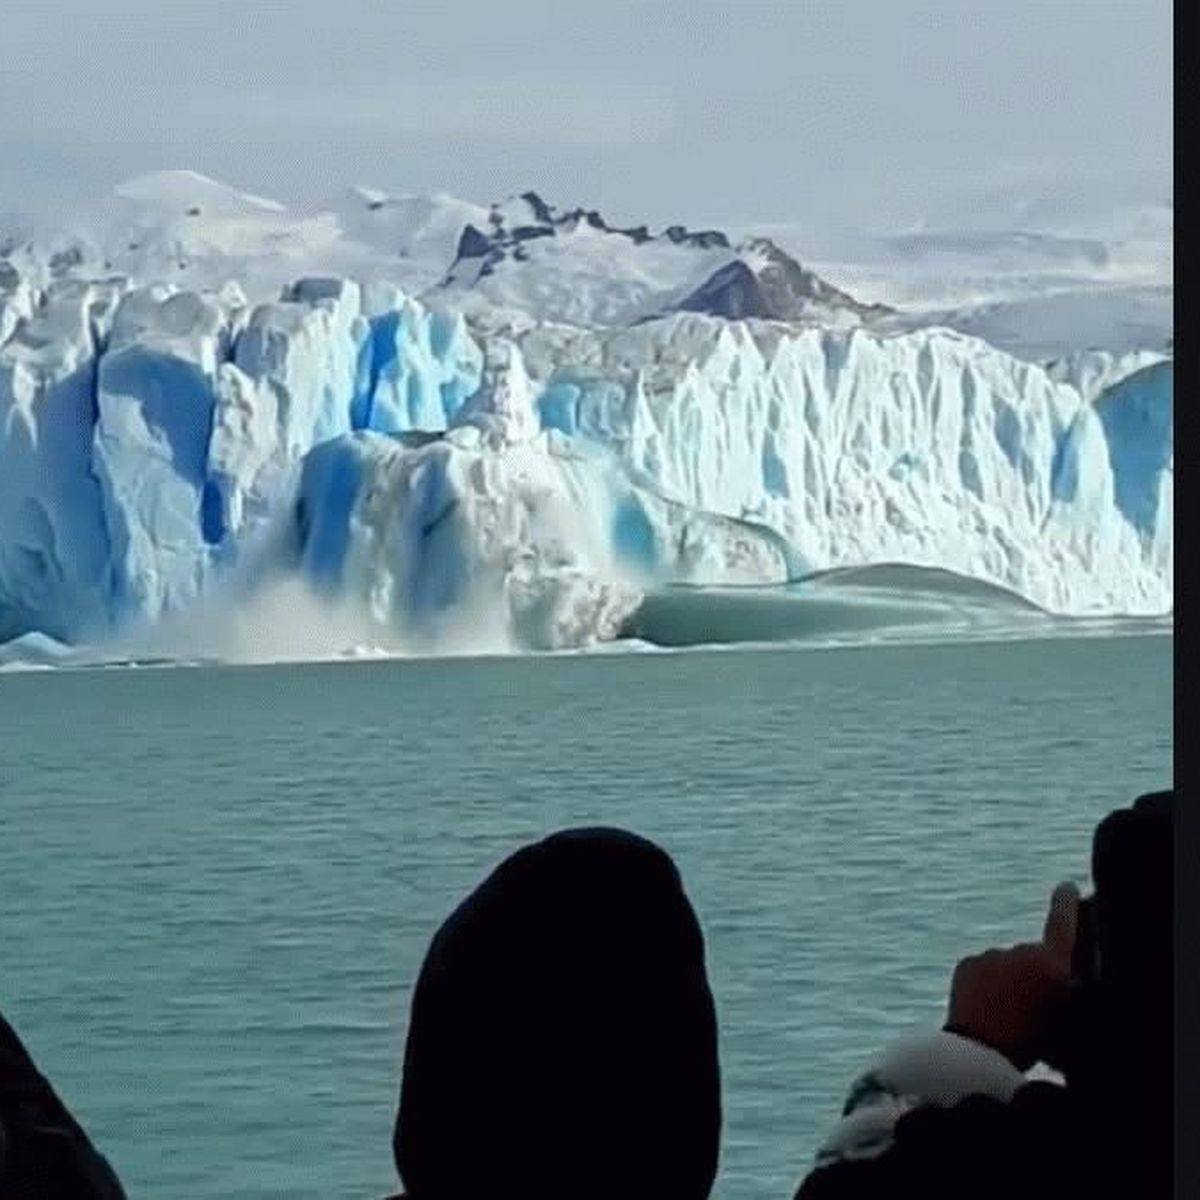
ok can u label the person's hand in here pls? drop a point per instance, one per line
(1010, 999)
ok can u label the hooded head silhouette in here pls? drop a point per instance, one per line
(563, 1037)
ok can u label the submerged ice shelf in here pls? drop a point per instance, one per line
(159, 447)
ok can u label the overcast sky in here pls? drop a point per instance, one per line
(861, 112)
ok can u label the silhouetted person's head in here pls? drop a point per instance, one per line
(1126, 1050)
(1133, 868)
(563, 1038)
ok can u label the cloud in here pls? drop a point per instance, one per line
(529, 108)
(761, 110)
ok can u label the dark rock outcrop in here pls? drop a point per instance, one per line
(762, 281)
(775, 288)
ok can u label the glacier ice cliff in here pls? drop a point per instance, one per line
(1092, 372)
(156, 443)
(147, 434)
(930, 448)
(54, 546)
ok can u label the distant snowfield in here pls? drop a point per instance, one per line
(497, 427)
(1039, 295)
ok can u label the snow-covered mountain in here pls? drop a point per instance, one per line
(522, 256)
(573, 266)
(515, 419)
(1040, 292)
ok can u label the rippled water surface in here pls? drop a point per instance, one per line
(218, 883)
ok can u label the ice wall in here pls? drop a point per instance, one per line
(507, 526)
(150, 435)
(55, 567)
(928, 447)
(151, 438)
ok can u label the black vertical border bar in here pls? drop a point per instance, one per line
(1187, 708)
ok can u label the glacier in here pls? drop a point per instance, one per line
(930, 448)
(148, 434)
(167, 444)
(153, 438)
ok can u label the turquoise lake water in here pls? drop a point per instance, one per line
(218, 883)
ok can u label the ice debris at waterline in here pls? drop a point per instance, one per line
(158, 446)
